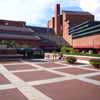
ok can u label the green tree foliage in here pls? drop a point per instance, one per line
(68, 50)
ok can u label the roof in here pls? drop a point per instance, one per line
(14, 32)
(77, 12)
(18, 37)
(14, 28)
(11, 21)
(41, 29)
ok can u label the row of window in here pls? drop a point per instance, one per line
(86, 29)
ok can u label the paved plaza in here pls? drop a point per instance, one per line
(47, 80)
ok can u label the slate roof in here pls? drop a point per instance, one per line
(77, 12)
(41, 29)
(13, 32)
(18, 37)
(14, 28)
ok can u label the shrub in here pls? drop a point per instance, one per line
(67, 50)
(95, 62)
(71, 59)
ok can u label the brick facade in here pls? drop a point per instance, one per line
(31, 43)
(66, 35)
(92, 41)
(12, 23)
(70, 19)
(51, 23)
(57, 20)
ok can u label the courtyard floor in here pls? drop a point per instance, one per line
(47, 80)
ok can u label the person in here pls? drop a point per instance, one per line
(60, 56)
(54, 56)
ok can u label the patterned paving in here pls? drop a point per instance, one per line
(71, 90)
(11, 94)
(34, 80)
(19, 67)
(36, 75)
(75, 71)
(3, 80)
(51, 65)
(96, 77)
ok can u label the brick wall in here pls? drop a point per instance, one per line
(57, 20)
(12, 23)
(66, 35)
(51, 23)
(70, 20)
(75, 19)
(92, 41)
(33, 43)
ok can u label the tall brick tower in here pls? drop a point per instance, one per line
(57, 19)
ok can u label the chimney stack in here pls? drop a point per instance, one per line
(57, 19)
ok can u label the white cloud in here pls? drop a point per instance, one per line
(31, 11)
(93, 6)
(37, 12)
(26, 10)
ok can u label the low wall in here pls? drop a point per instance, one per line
(85, 58)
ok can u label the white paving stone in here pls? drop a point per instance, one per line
(27, 70)
(47, 81)
(32, 93)
(6, 86)
(27, 90)
(92, 81)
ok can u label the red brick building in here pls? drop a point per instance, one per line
(18, 32)
(29, 36)
(67, 21)
(70, 28)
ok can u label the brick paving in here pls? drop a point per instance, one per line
(96, 77)
(11, 94)
(51, 65)
(36, 75)
(77, 63)
(19, 67)
(48, 81)
(75, 71)
(3, 80)
(71, 90)
(9, 61)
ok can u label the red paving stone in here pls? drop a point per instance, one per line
(97, 77)
(51, 65)
(10, 61)
(3, 80)
(71, 90)
(74, 71)
(19, 67)
(36, 75)
(77, 63)
(11, 94)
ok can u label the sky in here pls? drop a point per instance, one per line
(38, 12)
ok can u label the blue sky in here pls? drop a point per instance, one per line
(38, 12)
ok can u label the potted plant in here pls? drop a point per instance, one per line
(95, 63)
(71, 59)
